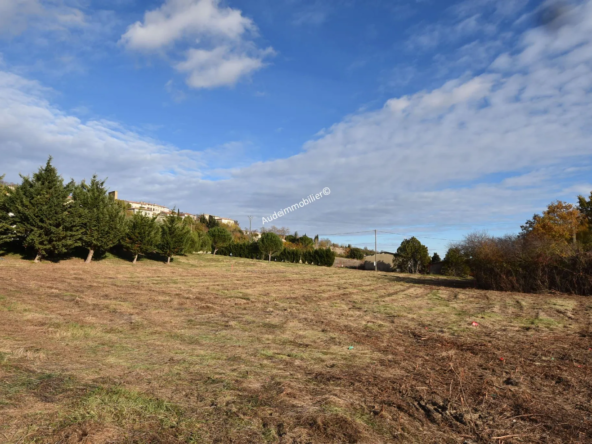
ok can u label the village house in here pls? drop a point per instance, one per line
(160, 211)
(222, 220)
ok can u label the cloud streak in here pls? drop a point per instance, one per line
(488, 148)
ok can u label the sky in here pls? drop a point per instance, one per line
(426, 118)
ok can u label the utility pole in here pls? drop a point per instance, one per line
(375, 252)
(250, 231)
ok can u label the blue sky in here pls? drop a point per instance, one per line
(427, 118)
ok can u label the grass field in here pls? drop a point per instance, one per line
(215, 349)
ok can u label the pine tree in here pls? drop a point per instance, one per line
(412, 256)
(6, 230)
(220, 238)
(42, 213)
(270, 244)
(142, 235)
(101, 218)
(175, 237)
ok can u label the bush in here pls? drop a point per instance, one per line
(455, 263)
(356, 253)
(528, 264)
(248, 250)
(323, 257)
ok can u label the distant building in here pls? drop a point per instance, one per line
(222, 220)
(160, 211)
(147, 209)
(10, 185)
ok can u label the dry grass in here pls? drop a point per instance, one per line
(214, 349)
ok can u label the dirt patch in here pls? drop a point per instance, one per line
(214, 349)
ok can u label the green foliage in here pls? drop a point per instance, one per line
(42, 215)
(142, 235)
(321, 256)
(6, 230)
(412, 256)
(212, 223)
(455, 263)
(248, 250)
(175, 236)
(355, 253)
(270, 244)
(436, 258)
(585, 207)
(205, 242)
(100, 218)
(306, 242)
(220, 238)
(293, 239)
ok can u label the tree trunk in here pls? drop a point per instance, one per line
(38, 257)
(215, 251)
(89, 257)
(135, 259)
(269, 257)
(168, 260)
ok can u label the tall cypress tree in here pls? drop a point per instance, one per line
(175, 236)
(101, 218)
(142, 235)
(42, 213)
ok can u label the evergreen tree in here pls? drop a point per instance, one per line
(455, 263)
(101, 218)
(436, 258)
(306, 242)
(6, 230)
(220, 238)
(175, 236)
(270, 244)
(212, 223)
(585, 207)
(142, 235)
(42, 213)
(412, 256)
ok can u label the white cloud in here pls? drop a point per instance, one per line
(479, 149)
(220, 52)
(218, 67)
(177, 19)
(15, 15)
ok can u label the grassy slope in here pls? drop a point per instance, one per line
(215, 349)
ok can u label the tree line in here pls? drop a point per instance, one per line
(552, 252)
(295, 249)
(49, 218)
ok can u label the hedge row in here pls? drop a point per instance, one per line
(322, 256)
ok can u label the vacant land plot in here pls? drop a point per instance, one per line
(214, 349)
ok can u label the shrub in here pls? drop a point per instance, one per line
(528, 264)
(355, 253)
(455, 263)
